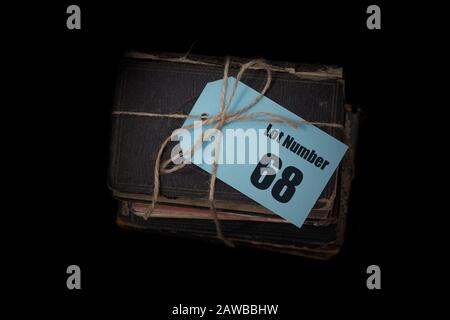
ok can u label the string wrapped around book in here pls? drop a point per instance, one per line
(218, 121)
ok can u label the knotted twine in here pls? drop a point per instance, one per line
(218, 121)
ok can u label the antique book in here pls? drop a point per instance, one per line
(168, 83)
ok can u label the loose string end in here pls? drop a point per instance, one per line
(219, 232)
(228, 243)
(148, 212)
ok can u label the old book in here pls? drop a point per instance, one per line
(168, 84)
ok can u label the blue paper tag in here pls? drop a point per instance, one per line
(285, 169)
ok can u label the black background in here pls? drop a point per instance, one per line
(72, 213)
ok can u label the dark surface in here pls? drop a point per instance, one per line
(71, 214)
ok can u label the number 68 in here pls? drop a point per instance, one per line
(264, 174)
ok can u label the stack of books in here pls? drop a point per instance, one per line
(168, 84)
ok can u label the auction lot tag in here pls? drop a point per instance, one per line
(284, 169)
